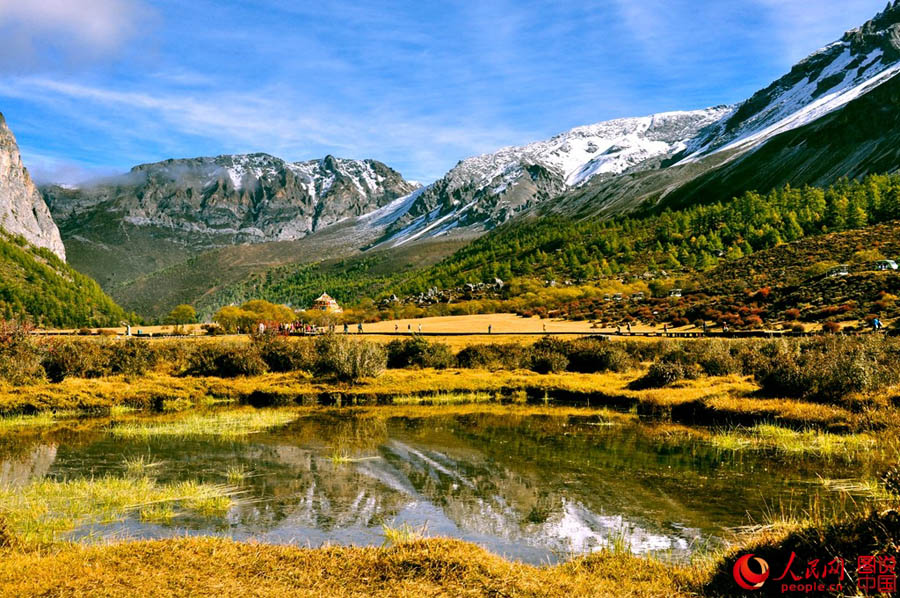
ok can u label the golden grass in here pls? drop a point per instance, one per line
(708, 400)
(43, 510)
(208, 567)
(225, 424)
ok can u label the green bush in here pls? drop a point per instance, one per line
(420, 353)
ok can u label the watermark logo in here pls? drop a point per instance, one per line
(746, 577)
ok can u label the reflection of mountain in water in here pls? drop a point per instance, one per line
(525, 487)
(18, 471)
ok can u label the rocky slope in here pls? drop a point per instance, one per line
(233, 199)
(22, 209)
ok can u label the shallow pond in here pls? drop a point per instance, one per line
(536, 488)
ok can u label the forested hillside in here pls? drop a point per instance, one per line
(663, 244)
(35, 284)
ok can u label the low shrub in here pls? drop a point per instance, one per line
(591, 355)
(20, 354)
(510, 356)
(132, 357)
(73, 358)
(283, 354)
(828, 370)
(664, 373)
(226, 361)
(420, 353)
(348, 359)
(544, 361)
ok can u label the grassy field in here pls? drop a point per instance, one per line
(417, 568)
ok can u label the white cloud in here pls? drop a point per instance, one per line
(269, 120)
(53, 33)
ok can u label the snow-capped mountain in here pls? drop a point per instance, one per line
(485, 191)
(488, 190)
(240, 198)
(826, 80)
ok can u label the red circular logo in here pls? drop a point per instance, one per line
(746, 577)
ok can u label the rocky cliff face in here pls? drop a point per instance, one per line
(22, 209)
(231, 199)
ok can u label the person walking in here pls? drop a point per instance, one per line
(490, 328)
(346, 328)
(359, 329)
(420, 329)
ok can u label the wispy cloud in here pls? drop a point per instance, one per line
(416, 85)
(39, 34)
(269, 120)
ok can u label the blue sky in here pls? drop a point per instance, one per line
(93, 87)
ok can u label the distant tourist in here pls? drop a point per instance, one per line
(346, 328)
(420, 328)
(877, 325)
(490, 328)
(545, 327)
(666, 328)
(396, 327)
(409, 327)
(359, 328)
(628, 327)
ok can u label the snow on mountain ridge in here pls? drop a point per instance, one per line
(822, 82)
(490, 188)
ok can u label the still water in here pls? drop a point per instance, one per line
(536, 488)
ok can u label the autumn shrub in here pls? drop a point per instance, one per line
(132, 357)
(828, 370)
(419, 353)
(226, 361)
(510, 356)
(545, 361)
(592, 355)
(664, 373)
(20, 354)
(348, 359)
(283, 354)
(74, 358)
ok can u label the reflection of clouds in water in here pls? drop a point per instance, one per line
(18, 471)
